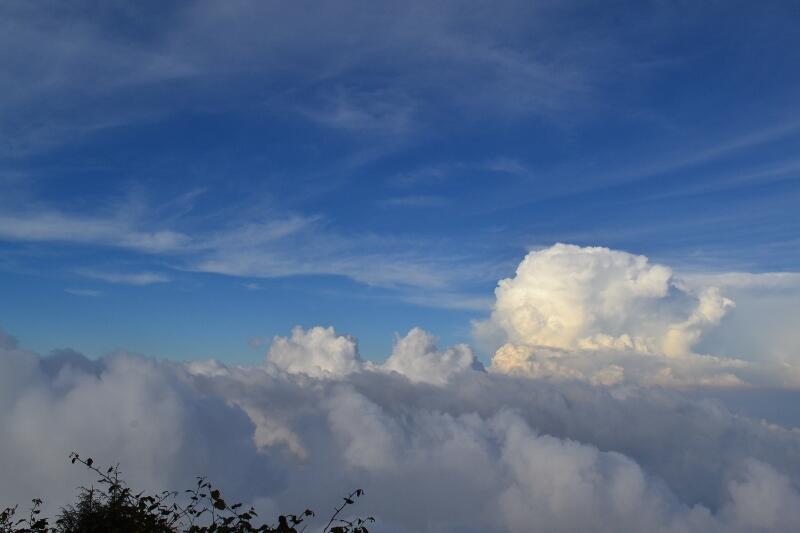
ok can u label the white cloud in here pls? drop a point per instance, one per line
(322, 353)
(367, 113)
(763, 499)
(744, 280)
(83, 292)
(609, 317)
(681, 337)
(304, 245)
(108, 231)
(480, 452)
(129, 408)
(318, 352)
(570, 297)
(417, 357)
(126, 278)
(321, 256)
(81, 77)
(419, 200)
(610, 367)
(249, 246)
(447, 300)
(763, 326)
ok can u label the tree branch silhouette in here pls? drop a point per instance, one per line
(115, 507)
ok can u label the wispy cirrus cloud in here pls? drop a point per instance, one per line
(139, 279)
(414, 201)
(730, 149)
(774, 172)
(745, 280)
(363, 113)
(104, 80)
(433, 175)
(249, 244)
(449, 300)
(94, 75)
(91, 293)
(118, 232)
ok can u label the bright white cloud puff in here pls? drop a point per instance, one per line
(570, 297)
(322, 353)
(318, 352)
(417, 357)
(609, 317)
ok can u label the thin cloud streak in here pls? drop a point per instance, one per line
(115, 232)
(421, 201)
(91, 293)
(288, 245)
(580, 181)
(139, 279)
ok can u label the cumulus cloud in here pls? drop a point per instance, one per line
(479, 452)
(571, 297)
(318, 352)
(322, 353)
(608, 367)
(610, 317)
(763, 327)
(417, 357)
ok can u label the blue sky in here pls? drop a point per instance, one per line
(186, 181)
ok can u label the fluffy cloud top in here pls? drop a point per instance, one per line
(417, 357)
(318, 352)
(322, 353)
(609, 317)
(480, 452)
(571, 297)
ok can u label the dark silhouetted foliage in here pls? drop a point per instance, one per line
(116, 508)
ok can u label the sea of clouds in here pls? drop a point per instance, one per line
(586, 419)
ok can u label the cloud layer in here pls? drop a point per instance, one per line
(438, 444)
(565, 432)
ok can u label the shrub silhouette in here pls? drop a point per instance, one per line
(116, 508)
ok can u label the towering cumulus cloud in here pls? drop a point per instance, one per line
(608, 317)
(562, 433)
(570, 298)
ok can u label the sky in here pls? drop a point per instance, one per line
(180, 180)
(508, 266)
